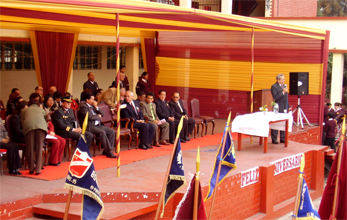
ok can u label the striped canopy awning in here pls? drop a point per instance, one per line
(136, 17)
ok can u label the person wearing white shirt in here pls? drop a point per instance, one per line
(106, 135)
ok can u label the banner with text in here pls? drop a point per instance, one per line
(249, 177)
(287, 163)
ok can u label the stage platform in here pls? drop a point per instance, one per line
(135, 194)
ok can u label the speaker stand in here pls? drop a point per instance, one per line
(301, 115)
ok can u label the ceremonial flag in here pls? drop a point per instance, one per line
(176, 177)
(306, 210)
(184, 209)
(326, 205)
(82, 179)
(227, 160)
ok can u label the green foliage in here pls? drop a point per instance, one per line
(332, 8)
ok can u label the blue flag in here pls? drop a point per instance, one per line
(176, 177)
(82, 179)
(228, 162)
(306, 210)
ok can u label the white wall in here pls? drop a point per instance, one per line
(25, 81)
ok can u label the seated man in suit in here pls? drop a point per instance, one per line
(177, 107)
(106, 135)
(109, 97)
(149, 110)
(164, 112)
(91, 84)
(133, 111)
(65, 123)
(141, 97)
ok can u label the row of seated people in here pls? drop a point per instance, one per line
(160, 113)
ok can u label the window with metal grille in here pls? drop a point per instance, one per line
(208, 5)
(168, 2)
(87, 57)
(112, 58)
(16, 56)
(140, 59)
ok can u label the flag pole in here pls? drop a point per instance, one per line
(220, 166)
(196, 190)
(252, 73)
(297, 198)
(67, 207)
(341, 148)
(162, 195)
(118, 97)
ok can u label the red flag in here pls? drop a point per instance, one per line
(326, 205)
(184, 209)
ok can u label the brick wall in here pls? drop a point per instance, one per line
(310, 136)
(294, 8)
(234, 202)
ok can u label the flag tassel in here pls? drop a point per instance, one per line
(298, 192)
(219, 168)
(67, 207)
(162, 194)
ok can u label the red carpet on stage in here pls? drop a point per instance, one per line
(126, 157)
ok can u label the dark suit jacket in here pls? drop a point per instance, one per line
(329, 128)
(82, 111)
(63, 121)
(339, 114)
(17, 130)
(89, 85)
(279, 97)
(163, 109)
(176, 109)
(129, 111)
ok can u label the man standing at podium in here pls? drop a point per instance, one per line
(279, 93)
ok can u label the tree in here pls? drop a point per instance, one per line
(332, 8)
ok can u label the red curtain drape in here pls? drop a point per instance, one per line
(54, 51)
(150, 60)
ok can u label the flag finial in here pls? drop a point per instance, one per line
(85, 123)
(179, 128)
(198, 161)
(229, 117)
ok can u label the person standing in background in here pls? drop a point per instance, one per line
(91, 84)
(34, 130)
(143, 84)
(279, 93)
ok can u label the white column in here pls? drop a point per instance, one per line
(337, 78)
(186, 3)
(132, 67)
(227, 6)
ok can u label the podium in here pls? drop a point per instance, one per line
(260, 98)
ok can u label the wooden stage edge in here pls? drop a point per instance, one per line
(263, 195)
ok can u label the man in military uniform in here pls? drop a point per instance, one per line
(65, 123)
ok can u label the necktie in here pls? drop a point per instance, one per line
(152, 111)
(134, 109)
(178, 103)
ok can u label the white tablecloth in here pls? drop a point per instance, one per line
(257, 123)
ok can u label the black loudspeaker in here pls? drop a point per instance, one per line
(298, 83)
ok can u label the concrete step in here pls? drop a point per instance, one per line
(125, 210)
(330, 156)
(329, 151)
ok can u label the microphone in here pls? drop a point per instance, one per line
(285, 86)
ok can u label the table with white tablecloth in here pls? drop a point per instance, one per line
(260, 123)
